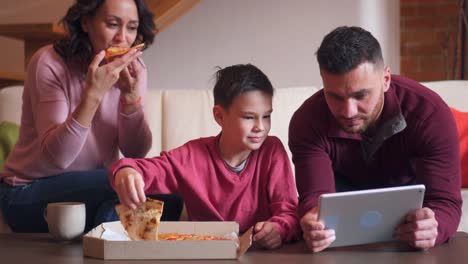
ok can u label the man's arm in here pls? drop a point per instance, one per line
(312, 164)
(438, 167)
(314, 176)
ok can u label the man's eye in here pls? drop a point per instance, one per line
(267, 117)
(334, 97)
(360, 96)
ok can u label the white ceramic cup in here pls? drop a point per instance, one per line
(66, 221)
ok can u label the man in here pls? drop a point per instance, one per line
(369, 129)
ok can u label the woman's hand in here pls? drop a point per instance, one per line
(100, 78)
(129, 80)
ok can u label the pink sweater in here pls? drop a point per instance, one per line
(263, 191)
(52, 142)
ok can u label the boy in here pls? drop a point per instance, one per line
(241, 175)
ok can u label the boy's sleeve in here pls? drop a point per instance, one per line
(159, 174)
(283, 195)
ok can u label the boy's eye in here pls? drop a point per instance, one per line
(247, 117)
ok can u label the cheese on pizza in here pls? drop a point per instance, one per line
(116, 51)
(180, 236)
(141, 223)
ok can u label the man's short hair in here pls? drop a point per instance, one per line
(345, 48)
(235, 80)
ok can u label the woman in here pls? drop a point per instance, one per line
(79, 111)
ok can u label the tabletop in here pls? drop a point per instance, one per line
(42, 248)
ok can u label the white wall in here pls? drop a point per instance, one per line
(280, 37)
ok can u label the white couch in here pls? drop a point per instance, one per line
(177, 116)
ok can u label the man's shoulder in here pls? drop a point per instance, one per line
(414, 98)
(312, 114)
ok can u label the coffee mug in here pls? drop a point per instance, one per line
(66, 221)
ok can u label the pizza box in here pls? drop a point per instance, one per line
(101, 242)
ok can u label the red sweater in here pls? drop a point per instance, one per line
(416, 143)
(263, 191)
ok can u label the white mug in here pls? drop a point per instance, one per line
(66, 221)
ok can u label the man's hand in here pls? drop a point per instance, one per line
(315, 235)
(267, 235)
(129, 186)
(419, 229)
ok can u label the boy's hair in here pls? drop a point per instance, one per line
(237, 79)
(345, 48)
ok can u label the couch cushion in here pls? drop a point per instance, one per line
(454, 92)
(10, 103)
(187, 115)
(285, 102)
(461, 118)
(153, 109)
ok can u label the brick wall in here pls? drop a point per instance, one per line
(428, 39)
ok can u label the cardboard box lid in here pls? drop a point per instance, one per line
(96, 247)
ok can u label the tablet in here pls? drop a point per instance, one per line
(368, 216)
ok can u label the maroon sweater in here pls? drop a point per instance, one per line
(416, 143)
(263, 191)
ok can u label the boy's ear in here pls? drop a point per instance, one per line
(218, 114)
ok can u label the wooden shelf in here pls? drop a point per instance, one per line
(43, 31)
(8, 78)
(33, 35)
(167, 12)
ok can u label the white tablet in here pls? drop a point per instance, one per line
(361, 217)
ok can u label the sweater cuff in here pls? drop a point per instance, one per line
(122, 163)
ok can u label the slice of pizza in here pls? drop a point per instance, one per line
(116, 51)
(141, 223)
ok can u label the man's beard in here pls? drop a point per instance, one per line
(369, 120)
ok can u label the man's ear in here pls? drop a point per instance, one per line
(387, 78)
(218, 114)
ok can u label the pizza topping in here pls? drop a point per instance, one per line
(180, 236)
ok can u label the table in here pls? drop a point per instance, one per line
(42, 248)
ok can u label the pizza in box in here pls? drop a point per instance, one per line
(142, 223)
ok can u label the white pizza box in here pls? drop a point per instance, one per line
(95, 246)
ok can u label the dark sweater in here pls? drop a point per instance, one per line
(416, 143)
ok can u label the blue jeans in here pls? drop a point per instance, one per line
(23, 206)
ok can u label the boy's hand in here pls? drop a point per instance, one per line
(129, 186)
(419, 229)
(267, 235)
(315, 235)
